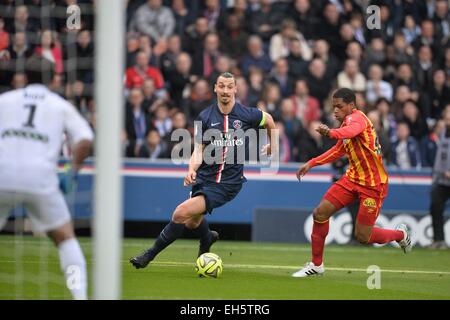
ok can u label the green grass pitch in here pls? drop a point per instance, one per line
(29, 269)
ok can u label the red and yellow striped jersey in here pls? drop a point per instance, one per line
(359, 141)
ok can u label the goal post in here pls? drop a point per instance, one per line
(109, 62)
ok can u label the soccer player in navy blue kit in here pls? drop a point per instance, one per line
(214, 183)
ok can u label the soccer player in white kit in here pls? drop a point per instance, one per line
(32, 123)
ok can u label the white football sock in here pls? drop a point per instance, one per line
(73, 266)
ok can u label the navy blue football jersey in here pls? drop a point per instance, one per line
(225, 138)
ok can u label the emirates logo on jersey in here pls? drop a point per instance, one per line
(237, 124)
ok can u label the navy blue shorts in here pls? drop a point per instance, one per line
(216, 194)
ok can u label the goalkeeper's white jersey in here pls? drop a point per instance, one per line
(32, 125)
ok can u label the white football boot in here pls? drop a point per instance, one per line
(405, 244)
(309, 270)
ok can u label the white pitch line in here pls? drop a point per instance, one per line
(265, 266)
(258, 266)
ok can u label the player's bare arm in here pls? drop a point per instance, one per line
(80, 152)
(272, 147)
(302, 171)
(194, 163)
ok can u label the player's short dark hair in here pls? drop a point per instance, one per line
(227, 75)
(39, 70)
(345, 94)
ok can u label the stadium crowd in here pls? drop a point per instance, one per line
(288, 57)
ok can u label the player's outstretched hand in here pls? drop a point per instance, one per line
(323, 129)
(68, 179)
(190, 178)
(302, 171)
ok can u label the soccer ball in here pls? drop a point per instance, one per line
(209, 265)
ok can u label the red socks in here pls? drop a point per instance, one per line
(385, 235)
(319, 233)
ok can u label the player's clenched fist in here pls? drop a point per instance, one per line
(190, 178)
(323, 130)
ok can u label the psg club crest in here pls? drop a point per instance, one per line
(237, 124)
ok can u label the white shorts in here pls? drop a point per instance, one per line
(47, 212)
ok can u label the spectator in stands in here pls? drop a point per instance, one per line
(388, 124)
(242, 95)
(255, 56)
(222, 64)
(440, 190)
(154, 20)
(292, 125)
(358, 26)
(175, 147)
(441, 20)
(346, 36)
(162, 121)
(280, 75)
(195, 35)
(151, 100)
(386, 32)
(199, 99)
(416, 122)
(279, 42)
(180, 78)
(206, 56)
(402, 94)
(405, 151)
(255, 82)
(284, 144)
(375, 52)
(184, 17)
(405, 77)
(233, 38)
(84, 53)
(427, 38)
(270, 99)
(168, 59)
(410, 29)
(376, 86)
(302, 14)
(429, 144)
(305, 107)
(132, 40)
(328, 27)
(265, 22)
(310, 144)
(23, 23)
(322, 51)
(438, 96)
(154, 147)
(297, 65)
(318, 81)
(212, 12)
(351, 77)
(4, 35)
(383, 137)
(403, 51)
(136, 75)
(50, 50)
(424, 68)
(137, 122)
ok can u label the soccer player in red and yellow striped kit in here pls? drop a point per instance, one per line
(366, 180)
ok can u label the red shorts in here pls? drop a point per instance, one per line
(343, 192)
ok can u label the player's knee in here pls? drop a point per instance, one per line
(362, 237)
(181, 214)
(319, 214)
